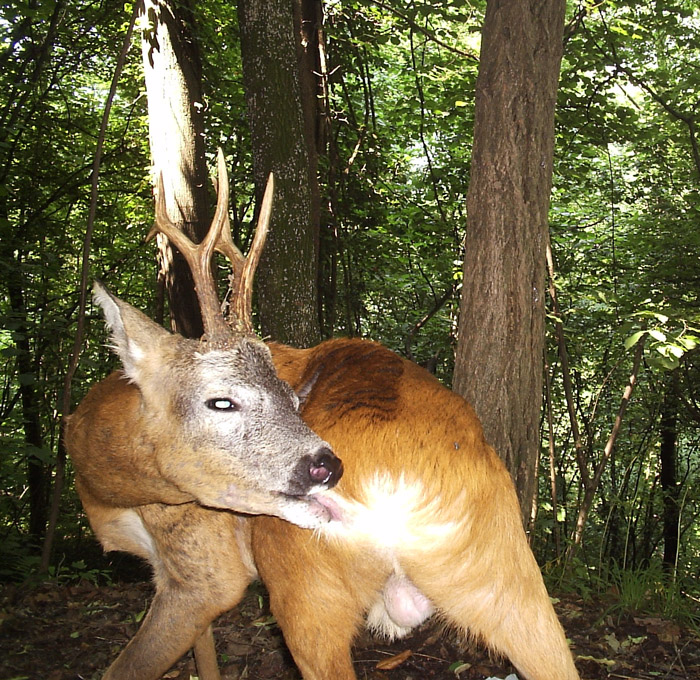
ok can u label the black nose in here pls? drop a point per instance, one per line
(325, 467)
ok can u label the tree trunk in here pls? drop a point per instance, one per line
(287, 274)
(172, 71)
(501, 330)
(38, 475)
(668, 475)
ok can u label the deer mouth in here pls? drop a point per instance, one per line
(309, 511)
(313, 510)
(327, 504)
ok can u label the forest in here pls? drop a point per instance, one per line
(386, 227)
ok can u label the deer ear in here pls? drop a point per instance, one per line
(305, 389)
(133, 334)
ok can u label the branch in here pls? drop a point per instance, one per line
(592, 487)
(565, 370)
(665, 105)
(429, 34)
(426, 149)
(439, 303)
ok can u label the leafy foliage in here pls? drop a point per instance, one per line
(399, 119)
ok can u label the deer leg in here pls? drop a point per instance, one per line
(199, 572)
(205, 656)
(529, 634)
(319, 594)
(172, 626)
(504, 603)
(318, 629)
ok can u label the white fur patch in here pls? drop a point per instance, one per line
(128, 532)
(393, 513)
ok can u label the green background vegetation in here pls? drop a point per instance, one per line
(625, 231)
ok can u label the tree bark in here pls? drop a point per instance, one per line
(668, 430)
(501, 331)
(288, 270)
(38, 475)
(172, 72)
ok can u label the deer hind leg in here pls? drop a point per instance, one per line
(205, 656)
(199, 573)
(505, 604)
(319, 594)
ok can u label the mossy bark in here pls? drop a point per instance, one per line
(286, 281)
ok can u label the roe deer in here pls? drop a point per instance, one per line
(189, 420)
(424, 520)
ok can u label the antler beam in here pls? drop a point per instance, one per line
(199, 256)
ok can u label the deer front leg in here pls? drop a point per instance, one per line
(199, 573)
(319, 594)
(172, 626)
(205, 656)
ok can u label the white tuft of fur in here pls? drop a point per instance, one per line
(127, 532)
(393, 513)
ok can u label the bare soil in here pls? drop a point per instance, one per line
(70, 632)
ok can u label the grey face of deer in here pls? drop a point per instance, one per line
(225, 428)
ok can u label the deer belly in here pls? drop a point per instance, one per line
(400, 608)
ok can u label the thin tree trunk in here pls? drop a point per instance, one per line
(288, 271)
(565, 370)
(12, 130)
(668, 430)
(499, 356)
(552, 459)
(591, 488)
(37, 470)
(65, 406)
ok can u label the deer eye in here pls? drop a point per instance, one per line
(223, 404)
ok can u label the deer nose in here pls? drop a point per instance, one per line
(325, 467)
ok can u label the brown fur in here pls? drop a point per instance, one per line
(425, 507)
(480, 575)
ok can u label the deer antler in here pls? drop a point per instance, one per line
(244, 267)
(217, 331)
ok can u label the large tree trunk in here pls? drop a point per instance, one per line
(501, 329)
(175, 112)
(287, 275)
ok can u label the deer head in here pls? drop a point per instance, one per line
(212, 417)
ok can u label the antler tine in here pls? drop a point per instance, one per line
(225, 244)
(198, 257)
(242, 302)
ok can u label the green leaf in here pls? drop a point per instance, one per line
(633, 339)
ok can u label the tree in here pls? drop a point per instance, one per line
(499, 356)
(668, 472)
(173, 78)
(287, 275)
(57, 60)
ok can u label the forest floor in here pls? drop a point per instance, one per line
(55, 631)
